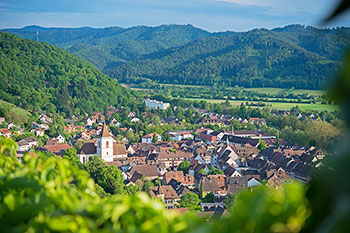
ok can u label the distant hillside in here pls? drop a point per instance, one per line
(38, 75)
(292, 56)
(106, 47)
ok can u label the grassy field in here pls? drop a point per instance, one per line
(274, 105)
(9, 107)
(267, 90)
(279, 105)
(277, 90)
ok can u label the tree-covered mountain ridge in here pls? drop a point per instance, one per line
(36, 75)
(292, 56)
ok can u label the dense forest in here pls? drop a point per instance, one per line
(37, 75)
(292, 56)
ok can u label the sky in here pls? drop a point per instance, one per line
(211, 15)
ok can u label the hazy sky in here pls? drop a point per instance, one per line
(212, 15)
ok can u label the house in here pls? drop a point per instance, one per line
(45, 119)
(5, 132)
(156, 104)
(149, 137)
(208, 139)
(213, 183)
(119, 150)
(167, 194)
(276, 178)
(173, 175)
(135, 119)
(90, 122)
(33, 142)
(36, 125)
(231, 139)
(236, 184)
(2, 120)
(218, 134)
(245, 150)
(60, 139)
(23, 146)
(13, 126)
(253, 134)
(149, 171)
(258, 121)
(40, 126)
(115, 122)
(253, 182)
(173, 159)
(57, 149)
(38, 132)
(181, 135)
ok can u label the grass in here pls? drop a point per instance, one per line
(271, 90)
(278, 105)
(9, 107)
(274, 105)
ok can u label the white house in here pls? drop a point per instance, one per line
(60, 139)
(23, 146)
(253, 182)
(89, 122)
(135, 119)
(149, 137)
(181, 135)
(115, 122)
(26, 143)
(45, 119)
(156, 104)
(38, 132)
(5, 132)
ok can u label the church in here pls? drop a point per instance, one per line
(105, 147)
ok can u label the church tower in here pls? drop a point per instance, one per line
(105, 145)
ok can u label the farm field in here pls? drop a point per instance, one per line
(278, 105)
(277, 90)
(271, 103)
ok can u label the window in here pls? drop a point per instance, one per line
(83, 159)
(107, 144)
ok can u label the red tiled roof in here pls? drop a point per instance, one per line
(57, 148)
(5, 131)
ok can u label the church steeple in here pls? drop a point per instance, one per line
(104, 131)
(105, 146)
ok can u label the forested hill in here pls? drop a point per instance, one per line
(114, 45)
(295, 55)
(300, 58)
(38, 75)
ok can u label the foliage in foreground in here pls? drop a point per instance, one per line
(51, 195)
(48, 194)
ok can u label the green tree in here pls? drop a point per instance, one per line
(184, 166)
(166, 137)
(190, 200)
(214, 171)
(111, 180)
(132, 189)
(155, 138)
(209, 198)
(201, 172)
(146, 185)
(229, 201)
(262, 145)
(71, 155)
